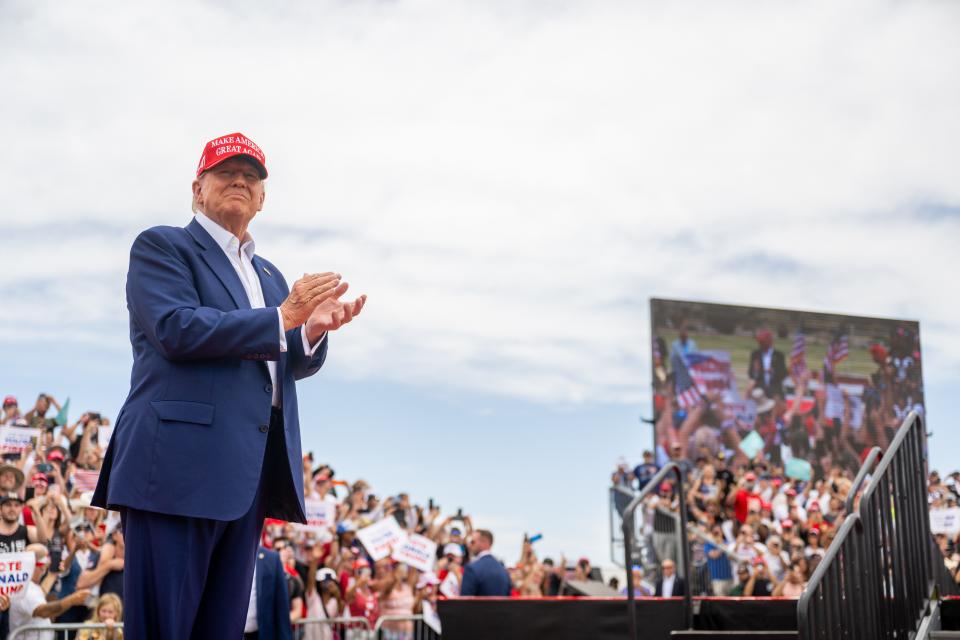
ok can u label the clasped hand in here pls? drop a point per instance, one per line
(314, 301)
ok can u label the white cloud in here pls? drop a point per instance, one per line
(508, 181)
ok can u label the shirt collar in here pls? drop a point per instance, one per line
(226, 240)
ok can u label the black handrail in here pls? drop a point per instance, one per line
(877, 576)
(865, 468)
(628, 530)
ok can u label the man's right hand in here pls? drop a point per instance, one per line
(308, 292)
(78, 597)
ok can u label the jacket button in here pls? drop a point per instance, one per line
(264, 428)
(268, 388)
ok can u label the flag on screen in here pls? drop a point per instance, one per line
(837, 351)
(84, 480)
(798, 355)
(683, 385)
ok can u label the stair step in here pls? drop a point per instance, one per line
(737, 635)
(945, 635)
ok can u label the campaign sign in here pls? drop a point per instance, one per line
(381, 537)
(16, 439)
(430, 616)
(798, 469)
(945, 521)
(321, 515)
(751, 445)
(417, 551)
(16, 570)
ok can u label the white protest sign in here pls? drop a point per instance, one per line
(16, 439)
(430, 616)
(321, 515)
(380, 537)
(945, 521)
(103, 436)
(16, 570)
(450, 586)
(417, 551)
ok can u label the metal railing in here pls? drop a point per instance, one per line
(395, 628)
(878, 575)
(629, 531)
(865, 468)
(61, 630)
(345, 628)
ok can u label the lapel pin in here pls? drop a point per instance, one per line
(267, 271)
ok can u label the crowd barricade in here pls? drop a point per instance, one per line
(349, 628)
(61, 630)
(410, 627)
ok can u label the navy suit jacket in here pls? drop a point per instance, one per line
(191, 436)
(273, 602)
(679, 587)
(485, 577)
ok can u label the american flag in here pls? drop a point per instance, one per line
(798, 354)
(837, 351)
(683, 385)
(84, 480)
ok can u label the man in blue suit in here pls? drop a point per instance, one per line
(208, 441)
(485, 576)
(268, 615)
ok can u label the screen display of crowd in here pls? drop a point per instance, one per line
(807, 391)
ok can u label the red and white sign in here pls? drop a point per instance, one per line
(417, 551)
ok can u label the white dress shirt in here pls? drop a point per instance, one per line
(667, 589)
(251, 624)
(241, 257)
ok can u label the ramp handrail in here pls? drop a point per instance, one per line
(877, 576)
(628, 533)
(865, 468)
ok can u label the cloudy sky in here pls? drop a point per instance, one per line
(509, 182)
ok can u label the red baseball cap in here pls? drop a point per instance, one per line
(228, 146)
(9, 400)
(40, 477)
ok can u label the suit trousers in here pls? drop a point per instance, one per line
(188, 577)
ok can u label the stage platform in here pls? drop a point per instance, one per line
(606, 618)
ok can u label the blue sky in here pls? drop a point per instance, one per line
(509, 182)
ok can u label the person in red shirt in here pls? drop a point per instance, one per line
(362, 598)
(745, 498)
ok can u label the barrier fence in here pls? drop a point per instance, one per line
(410, 627)
(61, 631)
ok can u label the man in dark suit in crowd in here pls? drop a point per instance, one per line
(768, 367)
(669, 584)
(268, 615)
(485, 576)
(208, 440)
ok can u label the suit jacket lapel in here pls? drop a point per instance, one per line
(218, 262)
(269, 283)
(272, 297)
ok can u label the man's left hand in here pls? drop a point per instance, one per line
(332, 314)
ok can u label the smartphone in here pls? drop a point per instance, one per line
(430, 504)
(28, 496)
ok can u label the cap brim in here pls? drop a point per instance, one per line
(262, 170)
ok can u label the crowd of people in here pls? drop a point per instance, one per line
(943, 495)
(755, 531)
(45, 493)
